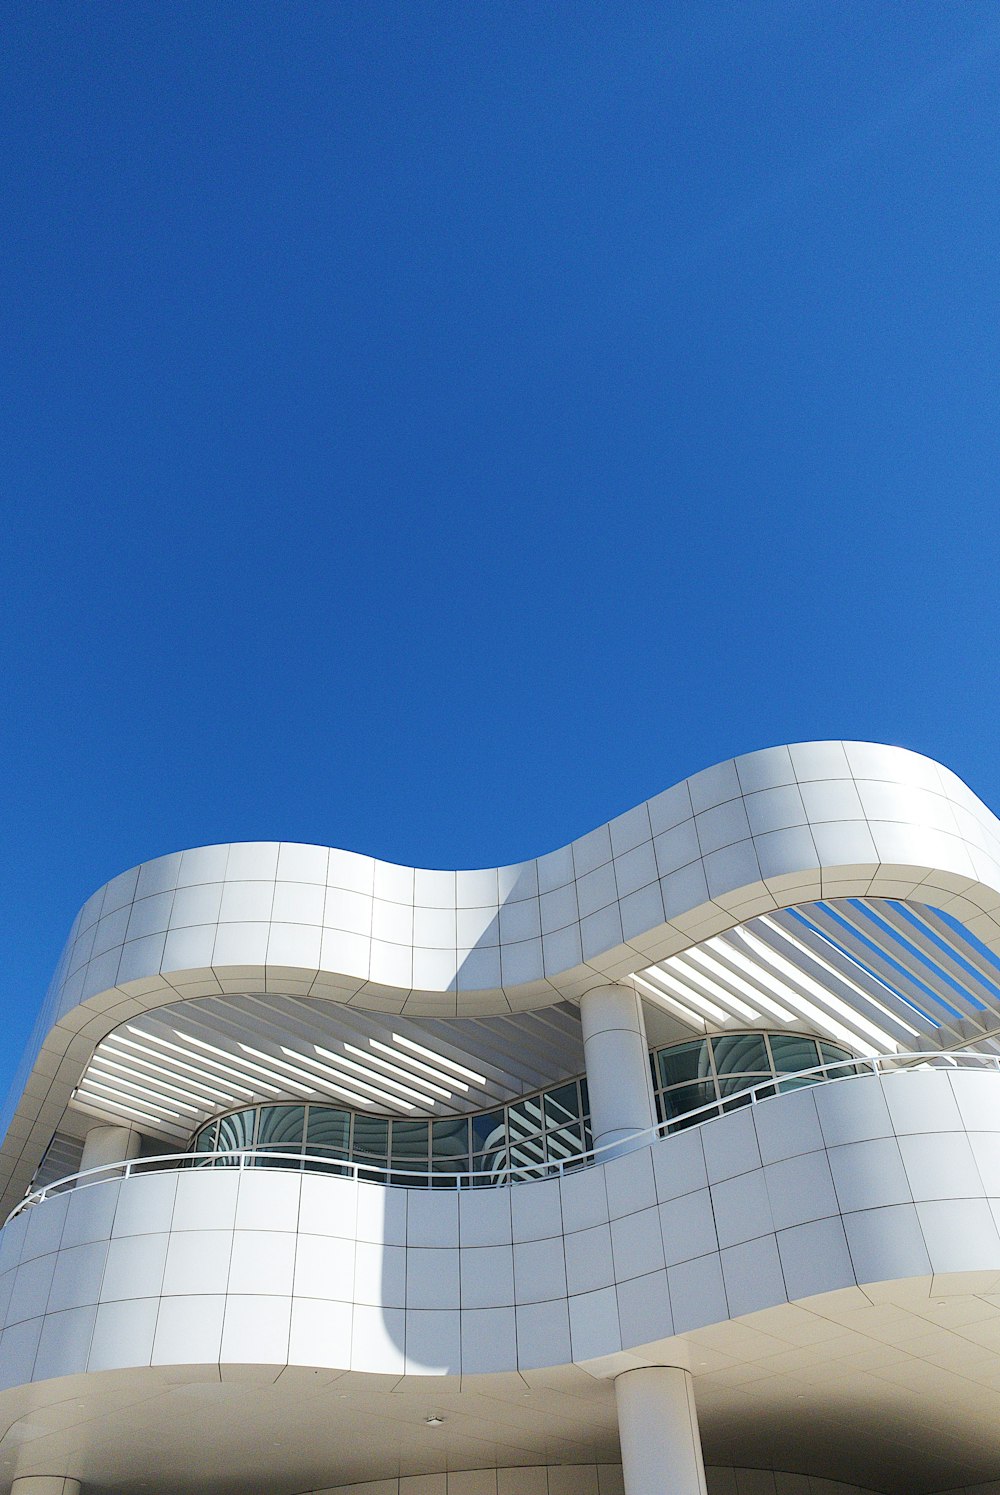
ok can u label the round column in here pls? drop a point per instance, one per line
(617, 1059)
(45, 1484)
(658, 1427)
(109, 1144)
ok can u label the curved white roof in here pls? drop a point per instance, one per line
(755, 834)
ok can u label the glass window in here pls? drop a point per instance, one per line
(686, 1061)
(831, 1052)
(565, 1142)
(371, 1136)
(686, 1098)
(524, 1118)
(281, 1128)
(740, 1054)
(791, 1052)
(236, 1131)
(409, 1144)
(329, 1131)
(450, 1140)
(526, 1154)
(205, 1140)
(488, 1131)
(489, 1168)
(562, 1106)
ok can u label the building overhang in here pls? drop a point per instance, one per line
(814, 823)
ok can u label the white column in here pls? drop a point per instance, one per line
(658, 1427)
(109, 1144)
(45, 1484)
(617, 1059)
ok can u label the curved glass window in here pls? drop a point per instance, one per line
(719, 1070)
(530, 1136)
(534, 1133)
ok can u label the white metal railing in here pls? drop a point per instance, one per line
(764, 1089)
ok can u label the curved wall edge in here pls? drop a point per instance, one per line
(892, 1181)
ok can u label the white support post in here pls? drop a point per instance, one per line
(617, 1059)
(109, 1144)
(45, 1484)
(658, 1427)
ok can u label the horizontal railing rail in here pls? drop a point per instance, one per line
(267, 1157)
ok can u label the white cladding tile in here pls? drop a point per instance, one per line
(679, 1165)
(90, 1214)
(433, 1342)
(714, 786)
(644, 1312)
(788, 1127)
(540, 1270)
(642, 911)
(867, 1175)
(45, 1224)
(886, 1243)
(197, 1262)
(768, 769)
(30, 1294)
(800, 1189)
(203, 864)
(123, 1334)
(593, 1322)
(255, 861)
(742, 1208)
(730, 1145)
(630, 1183)
(268, 1200)
(687, 1225)
(64, 1344)
(697, 1293)
(489, 1340)
(145, 1204)
(940, 1166)
(921, 1103)
(669, 808)
(584, 1200)
(324, 1267)
(134, 1267)
(320, 1333)
(815, 1258)
(630, 830)
(853, 1111)
(76, 1281)
(485, 1217)
(298, 903)
(380, 1274)
(819, 760)
(189, 1330)
(262, 1262)
(255, 1330)
(542, 1334)
(299, 863)
(487, 1277)
(205, 1200)
(589, 1262)
(637, 1245)
(733, 867)
(377, 1340)
(960, 1235)
(18, 1348)
(752, 1274)
(432, 1277)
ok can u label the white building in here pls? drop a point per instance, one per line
(611, 1170)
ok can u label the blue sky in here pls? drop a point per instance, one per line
(431, 428)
